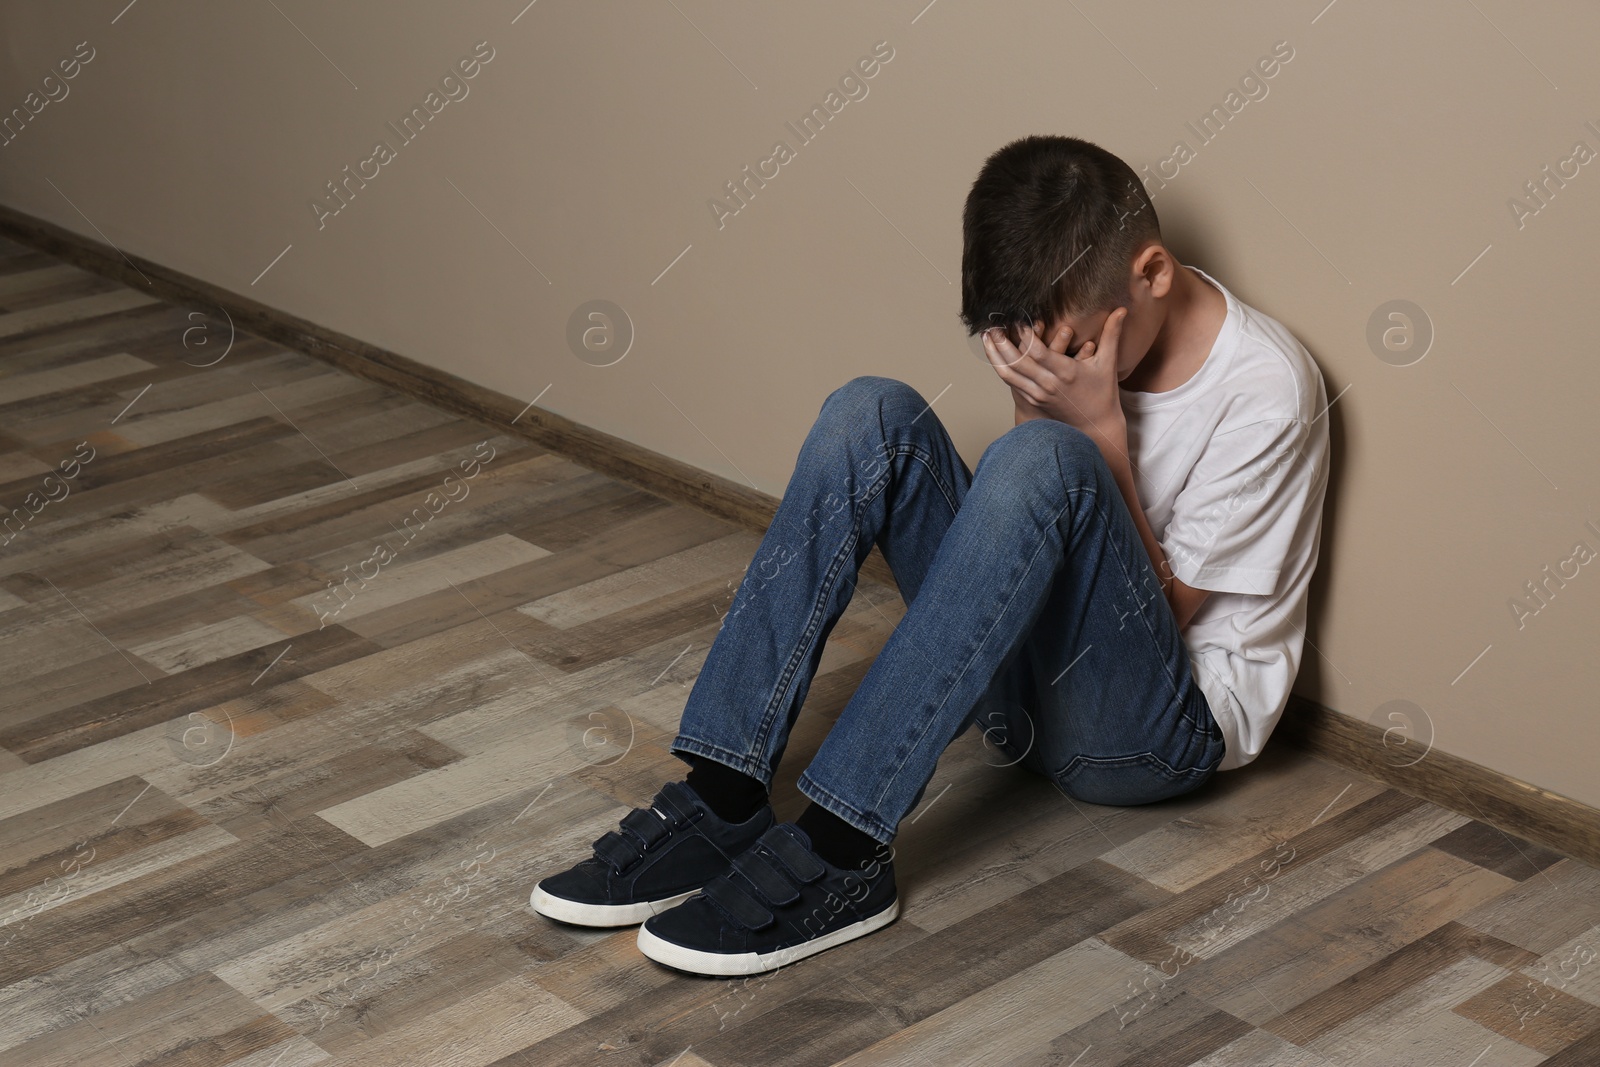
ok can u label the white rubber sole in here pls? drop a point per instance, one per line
(737, 963)
(580, 914)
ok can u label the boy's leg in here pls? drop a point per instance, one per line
(876, 467)
(1064, 710)
(1041, 526)
(1040, 588)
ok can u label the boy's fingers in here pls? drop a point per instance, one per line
(1114, 325)
(1062, 339)
(1003, 348)
(1031, 340)
(997, 359)
(1019, 374)
(1111, 336)
(991, 349)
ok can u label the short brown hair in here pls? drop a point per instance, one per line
(1050, 227)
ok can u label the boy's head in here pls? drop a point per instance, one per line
(1056, 227)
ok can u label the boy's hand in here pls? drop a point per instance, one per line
(1046, 383)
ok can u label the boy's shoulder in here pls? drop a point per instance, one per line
(1269, 373)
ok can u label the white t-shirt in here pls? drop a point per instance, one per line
(1231, 468)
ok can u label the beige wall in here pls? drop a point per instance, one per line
(1378, 166)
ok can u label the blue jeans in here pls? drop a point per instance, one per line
(1032, 609)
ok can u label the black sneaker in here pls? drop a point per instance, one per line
(660, 857)
(779, 902)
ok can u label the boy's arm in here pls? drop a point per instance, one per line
(1184, 600)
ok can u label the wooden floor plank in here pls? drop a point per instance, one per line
(1373, 986)
(38, 318)
(1185, 1031)
(1259, 1048)
(640, 585)
(1573, 967)
(197, 1015)
(1536, 1014)
(1558, 904)
(1416, 1026)
(21, 388)
(1194, 848)
(1497, 851)
(1204, 913)
(172, 696)
(964, 958)
(1012, 1016)
(27, 282)
(1327, 942)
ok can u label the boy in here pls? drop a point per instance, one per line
(1118, 593)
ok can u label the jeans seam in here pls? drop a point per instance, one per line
(911, 449)
(737, 760)
(1198, 734)
(1128, 578)
(818, 607)
(828, 802)
(928, 723)
(1113, 761)
(1189, 780)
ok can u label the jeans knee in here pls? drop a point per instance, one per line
(1024, 446)
(1039, 431)
(863, 397)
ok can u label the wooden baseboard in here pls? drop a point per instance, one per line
(1557, 822)
(1545, 818)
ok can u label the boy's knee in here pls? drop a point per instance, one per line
(1048, 428)
(864, 394)
(1036, 438)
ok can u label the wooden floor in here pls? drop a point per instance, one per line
(251, 815)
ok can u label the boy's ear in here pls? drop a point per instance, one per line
(1152, 267)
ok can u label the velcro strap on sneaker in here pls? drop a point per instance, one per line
(617, 852)
(647, 826)
(642, 830)
(801, 861)
(676, 801)
(736, 904)
(772, 882)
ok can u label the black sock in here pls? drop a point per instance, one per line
(837, 841)
(733, 795)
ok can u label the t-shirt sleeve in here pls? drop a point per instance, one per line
(1234, 521)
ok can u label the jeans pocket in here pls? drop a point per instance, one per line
(1124, 781)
